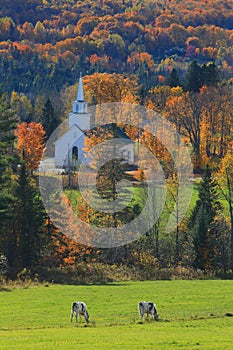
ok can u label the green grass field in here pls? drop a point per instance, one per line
(192, 316)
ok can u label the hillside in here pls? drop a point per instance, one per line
(44, 44)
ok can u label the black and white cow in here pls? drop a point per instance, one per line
(147, 307)
(79, 308)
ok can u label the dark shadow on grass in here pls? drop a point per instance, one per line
(5, 289)
(114, 284)
(152, 321)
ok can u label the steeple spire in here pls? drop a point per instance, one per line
(80, 105)
(80, 96)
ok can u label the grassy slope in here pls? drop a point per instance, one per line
(38, 318)
(73, 195)
(139, 196)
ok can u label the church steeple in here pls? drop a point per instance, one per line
(80, 97)
(80, 105)
(79, 115)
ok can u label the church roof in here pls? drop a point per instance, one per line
(73, 127)
(120, 133)
(116, 131)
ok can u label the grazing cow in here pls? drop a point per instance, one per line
(147, 307)
(79, 308)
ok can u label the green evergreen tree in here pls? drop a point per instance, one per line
(174, 79)
(30, 221)
(209, 74)
(203, 215)
(193, 77)
(8, 160)
(49, 120)
(8, 122)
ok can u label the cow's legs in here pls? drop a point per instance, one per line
(71, 316)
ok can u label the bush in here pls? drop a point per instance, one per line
(85, 273)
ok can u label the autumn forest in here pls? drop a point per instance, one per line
(174, 57)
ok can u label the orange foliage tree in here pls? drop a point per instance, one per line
(31, 143)
(114, 87)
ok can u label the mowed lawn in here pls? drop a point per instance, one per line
(192, 316)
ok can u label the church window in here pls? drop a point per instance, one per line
(75, 153)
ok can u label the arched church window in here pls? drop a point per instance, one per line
(75, 153)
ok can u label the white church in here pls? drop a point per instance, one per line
(69, 147)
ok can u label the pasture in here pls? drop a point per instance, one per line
(193, 315)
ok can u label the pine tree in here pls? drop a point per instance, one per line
(49, 119)
(193, 77)
(197, 76)
(209, 74)
(203, 215)
(8, 122)
(29, 220)
(8, 160)
(174, 79)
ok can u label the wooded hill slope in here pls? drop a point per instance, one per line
(44, 44)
